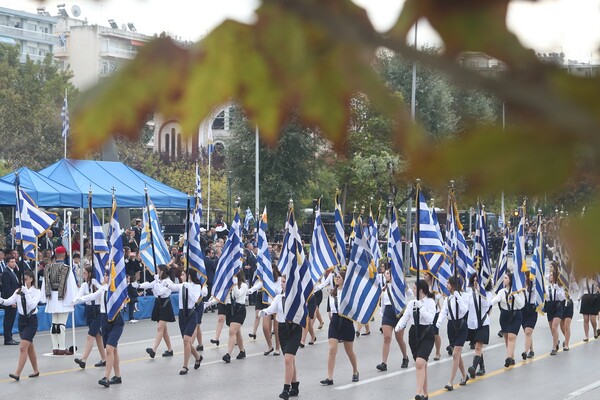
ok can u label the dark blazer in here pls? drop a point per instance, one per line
(9, 283)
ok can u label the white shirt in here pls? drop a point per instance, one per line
(97, 296)
(238, 294)
(334, 302)
(327, 282)
(195, 292)
(259, 285)
(84, 289)
(426, 313)
(588, 286)
(32, 298)
(455, 307)
(276, 308)
(518, 299)
(160, 287)
(480, 303)
(555, 293)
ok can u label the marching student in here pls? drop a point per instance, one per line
(268, 322)
(588, 308)
(189, 294)
(567, 317)
(289, 337)
(530, 316)
(93, 319)
(199, 314)
(420, 313)
(162, 311)
(455, 308)
(438, 298)
(341, 329)
(511, 316)
(554, 307)
(236, 315)
(111, 333)
(26, 298)
(389, 320)
(478, 322)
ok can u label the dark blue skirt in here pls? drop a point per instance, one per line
(553, 309)
(312, 307)
(389, 316)
(187, 326)
(567, 309)
(421, 344)
(112, 331)
(530, 316)
(199, 312)
(341, 328)
(457, 332)
(93, 319)
(28, 327)
(290, 335)
(510, 321)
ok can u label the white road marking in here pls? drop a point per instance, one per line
(583, 390)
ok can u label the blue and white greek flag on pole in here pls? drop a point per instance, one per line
(519, 265)
(247, 219)
(284, 259)
(321, 256)
(196, 261)
(502, 262)
(230, 262)
(431, 248)
(537, 266)
(264, 271)
(210, 142)
(30, 223)
(481, 257)
(464, 263)
(101, 249)
(160, 248)
(64, 115)
(373, 239)
(299, 284)
(340, 236)
(117, 293)
(360, 292)
(394, 253)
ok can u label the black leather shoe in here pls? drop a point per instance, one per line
(227, 358)
(184, 371)
(524, 356)
(11, 343)
(80, 362)
(115, 380)
(404, 362)
(355, 377)
(531, 354)
(481, 372)
(168, 353)
(252, 335)
(214, 341)
(327, 382)
(450, 350)
(471, 371)
(35, 375)
(197, 363)
(464, 382)
(199, 348)
(15, 377)
(100, 364)
(295, 389)
(241, 355)
(151, 352)
(285, 395)
(449, 387)
(104, 382)
(382, 367)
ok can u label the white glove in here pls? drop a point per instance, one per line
(250, 291)
(397, 327)
(456, 294)
(262, 313)
(135, 285)
(156, 277)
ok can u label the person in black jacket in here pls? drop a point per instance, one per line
(10, 283)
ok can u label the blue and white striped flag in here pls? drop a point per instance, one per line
(117, 293)
(502, 261)
(299, 284)
(481, 257)
(394, 254)
(373, 239)
(64, 115)
(519, 264)
(230, 262)
(538, 268)
(360, 292)
(196, 261)
(100, 249)
(321, 256)
(264, 271)
(247, 219)
(284, 260)
(160, 248)
(30, 223)
(210, 141)
(340, 236)
(464, 262)
(431, 248)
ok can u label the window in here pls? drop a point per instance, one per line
(219, 121)
(167, 148)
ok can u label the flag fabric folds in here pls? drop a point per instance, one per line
(196, 256)
(360, 292)
(100, 249)
(64, 115)
(397, 288)
(481, 258)
(373, 239)
(210, 141)
(247, 219)
(151, 232)
(284, 259)
(230, 262)
(432, 253)
(264, 271)
(117, 293)
(321, 256)
(30, 223)
(519, 265)
(340, 236)
(299, 284)
(537, 266)
(502, 261)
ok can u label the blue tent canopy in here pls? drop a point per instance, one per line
(44, 192)
(7, 194)
(102, 176)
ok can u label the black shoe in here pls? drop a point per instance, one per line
(266, 353)
(366, 333)
(553, 352)
(214, 341)
(241, 355)
(500, 334)
(184, 371)
(252, 335)
(327, 382)
(104, 382)
(80, 362)
(199, 348)
(301, 345)
(481, 371)
(508, 362)
(382, 367)
(294, 390)
(115, 380)
(197, 363)
(357, 334)
(464, 381)
(100, 363)
(226, 358)
(15, 377)
(471, 371)
(11, 343)
(168, 353)
(472, 345)
(450, 350)
(355, 377)
(524, 356)
(151, 352)
(448, 387)
(35, 375)
(285, 395)
(531, 354)
(404, 362)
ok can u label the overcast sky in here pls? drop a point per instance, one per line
(570, 26)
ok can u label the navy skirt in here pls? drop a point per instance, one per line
(567, 309)
(199, 312)
(236, 312)
(530, 316)
(553, 309)
(341, 328)
(187, 326)
(389, 316)
(436, 330)
(510, 321)
(481, 335)
(221, 309)
(318, 297)
(588, 305)
(421, 345)
(457, 332)
(112, 331)
(290, 335)
(312, 307)
(163, 311)
(93, 319)
(28, 327)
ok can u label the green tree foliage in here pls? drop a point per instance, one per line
(31, 98)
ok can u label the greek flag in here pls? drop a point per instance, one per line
(360, 292)
(299, 285)
(151, 232)
(431, 249)
(397, 289)
(210, 141)
(537, 266)
(373, 239)
(284, 259)
(481, 258)
(321, 257)
(196, 261)
(100, 249)
(117, 293)
(248, 217)
(30, 223)
(519, 265)
(560, 255)
(340, 237)
(264, 271)
(230, 262)
(502, 262)
(64, 115)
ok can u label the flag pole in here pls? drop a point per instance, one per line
(256, 183)
(21, 250)
(91, 223)
(71, 269)
(187, 258)
(208, 197)
(452, 201)
(64, 133)
(418, 248)
(150, 229)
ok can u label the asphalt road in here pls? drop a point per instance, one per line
(569, 375)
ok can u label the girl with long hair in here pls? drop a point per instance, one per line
(511, 317)
(530, 315)
(236, 315)
(478, 323)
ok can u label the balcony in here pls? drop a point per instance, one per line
(115, 52)
(23, 34)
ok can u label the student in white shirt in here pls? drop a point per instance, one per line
(478, 322)
(530, 315)
(26, 299)
(510, 316)
(437, 298)
(268, 325)
(588, 296)
(420, 314)
(568, 310)
(236, 315)
(553, 307)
